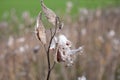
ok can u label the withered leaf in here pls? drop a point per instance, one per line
(40, 30)
(50, 15)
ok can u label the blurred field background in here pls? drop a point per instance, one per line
(59, 6)
(92, 23)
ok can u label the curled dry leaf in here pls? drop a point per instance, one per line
(40, 30)
(50, 15)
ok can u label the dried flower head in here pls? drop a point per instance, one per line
(40, 30)
(50, 15)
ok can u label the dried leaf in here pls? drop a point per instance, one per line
(50, 15)
(40, 30)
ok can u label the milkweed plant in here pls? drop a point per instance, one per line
(58, 42)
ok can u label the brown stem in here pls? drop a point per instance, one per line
(53, 66)
(48, 50)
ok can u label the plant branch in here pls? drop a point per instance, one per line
(51, 32)
(52, 66)
(48, 50)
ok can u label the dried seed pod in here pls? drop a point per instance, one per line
(40, 30)
(58, 56)
(50, 15)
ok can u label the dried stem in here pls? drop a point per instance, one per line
(14, 65)
(53, 66)
(48, 50)
(50, 32)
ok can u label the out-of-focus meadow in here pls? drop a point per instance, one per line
(95, 24)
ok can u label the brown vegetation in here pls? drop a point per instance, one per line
(23, 58)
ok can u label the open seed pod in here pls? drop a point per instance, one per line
(40, 30)
(50, 15)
